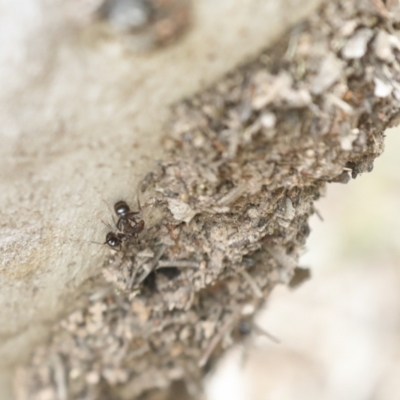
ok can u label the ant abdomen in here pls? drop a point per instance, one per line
(121, 208)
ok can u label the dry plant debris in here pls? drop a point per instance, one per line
(227, 209)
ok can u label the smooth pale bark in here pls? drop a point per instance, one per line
(76, 114)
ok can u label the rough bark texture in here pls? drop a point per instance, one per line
(81, 120)
(226, 211)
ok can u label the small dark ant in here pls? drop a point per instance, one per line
(125, 219)
(124, 225)
(129, 225)
(114, 240)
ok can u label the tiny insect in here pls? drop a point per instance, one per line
(114, 240)
(129, 223)
(128, 226)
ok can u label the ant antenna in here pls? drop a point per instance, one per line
(111, 211)
(86, 241)
(108, 226)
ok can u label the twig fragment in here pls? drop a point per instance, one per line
(153, 264)
(217, 338)
(177, 264)
(252, 283)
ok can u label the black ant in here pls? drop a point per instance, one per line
(114, 240)
(124, 225)
(129, 225)
(125, 219)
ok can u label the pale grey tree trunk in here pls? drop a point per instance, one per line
(85, 119)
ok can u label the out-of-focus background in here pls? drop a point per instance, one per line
(339, 331)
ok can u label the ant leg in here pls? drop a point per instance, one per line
(119, 224)
(122, 236)
(133, 216)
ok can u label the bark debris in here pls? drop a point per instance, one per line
(227, 210)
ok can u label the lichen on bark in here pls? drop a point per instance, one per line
(227, 209)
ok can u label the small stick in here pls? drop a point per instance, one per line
(60, 378)
(346, 107)
(177, 264)
(216, 339)
(318, 213)
(381, 8)
(233, 195)
(132, 278)
(252, 283)
(292, 46)
(263, 332)
(154, 262)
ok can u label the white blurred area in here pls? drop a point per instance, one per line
(339, 331)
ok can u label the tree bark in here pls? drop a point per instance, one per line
(225, 211)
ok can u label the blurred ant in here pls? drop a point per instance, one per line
(114, 240)
(125, 219)
(129, 225)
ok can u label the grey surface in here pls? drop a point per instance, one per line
(77, 114)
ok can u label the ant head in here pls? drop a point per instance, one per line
(121, 208)
(113, 240)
